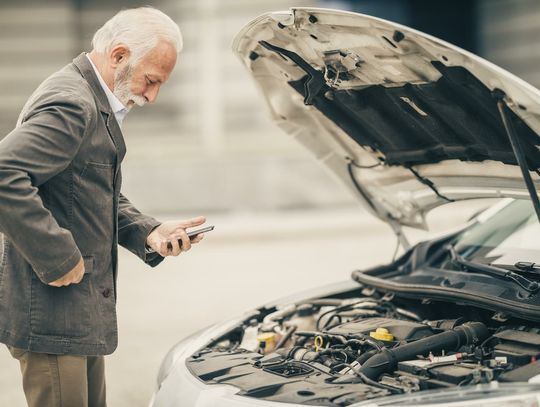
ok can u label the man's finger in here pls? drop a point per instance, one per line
(199, 220)
(175, 246)
(59, 283)
(197, 238)
(163, 248)
(186, 243)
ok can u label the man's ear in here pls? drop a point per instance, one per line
(118, 55)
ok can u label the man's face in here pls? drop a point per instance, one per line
(140, 84)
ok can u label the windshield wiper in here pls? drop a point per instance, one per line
(528, 266)
(525, 283)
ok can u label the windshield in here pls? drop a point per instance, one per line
(505, 238)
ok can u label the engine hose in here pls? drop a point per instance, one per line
(327, 336)
(365, 356)
(299, 353)
(387, 360)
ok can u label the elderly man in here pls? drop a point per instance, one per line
(62, 213)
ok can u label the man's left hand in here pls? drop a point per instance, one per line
(164, 239)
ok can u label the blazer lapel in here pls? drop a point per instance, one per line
(87, 71)
(117, 137)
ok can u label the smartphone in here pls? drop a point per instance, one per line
(192, 233)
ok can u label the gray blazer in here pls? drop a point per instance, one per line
(60, 199)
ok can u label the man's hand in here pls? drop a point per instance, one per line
(72, 277)
(164, 238)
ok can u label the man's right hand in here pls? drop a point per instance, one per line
(72, 277)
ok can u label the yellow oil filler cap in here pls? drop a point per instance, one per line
(267, 341)
(266, 337)
(382, 334)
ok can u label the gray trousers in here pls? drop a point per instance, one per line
(61, 380)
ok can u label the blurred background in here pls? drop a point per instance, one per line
(207, 147)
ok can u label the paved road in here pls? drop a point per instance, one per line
(246, 261)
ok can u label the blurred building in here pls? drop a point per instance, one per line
(207, 144)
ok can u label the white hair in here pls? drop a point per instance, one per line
(140, 29)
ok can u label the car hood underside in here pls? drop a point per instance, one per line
(407, 120)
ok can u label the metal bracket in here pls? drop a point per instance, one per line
(500, 317)
(315, 81)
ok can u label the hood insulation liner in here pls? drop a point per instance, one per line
(455, 117)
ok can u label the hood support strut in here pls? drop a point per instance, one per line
(518, 151)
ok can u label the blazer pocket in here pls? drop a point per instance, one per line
(63, 311)
(102, 173)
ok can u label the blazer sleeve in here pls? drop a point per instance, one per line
(133, 229)
(42, 146)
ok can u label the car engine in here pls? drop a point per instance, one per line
(362, 345)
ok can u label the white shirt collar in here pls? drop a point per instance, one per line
(118, 108)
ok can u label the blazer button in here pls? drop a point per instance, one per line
(106, 292)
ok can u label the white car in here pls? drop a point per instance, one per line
(409, 123)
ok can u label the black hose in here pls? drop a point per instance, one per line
(387, 360)
(326, 336)
(341, 308)
(365, 356)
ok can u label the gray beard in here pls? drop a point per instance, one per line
(122, 80)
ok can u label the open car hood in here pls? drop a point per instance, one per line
(412, 119)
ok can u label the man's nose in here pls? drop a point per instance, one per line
(151, 93)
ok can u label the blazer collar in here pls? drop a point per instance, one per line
(85, 68)
(87, 71)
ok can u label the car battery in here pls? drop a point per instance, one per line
(461, 373)
(519, 347)
(436, 375)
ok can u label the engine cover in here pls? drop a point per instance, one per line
(401, 330)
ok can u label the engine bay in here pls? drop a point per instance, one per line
(364, 344)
